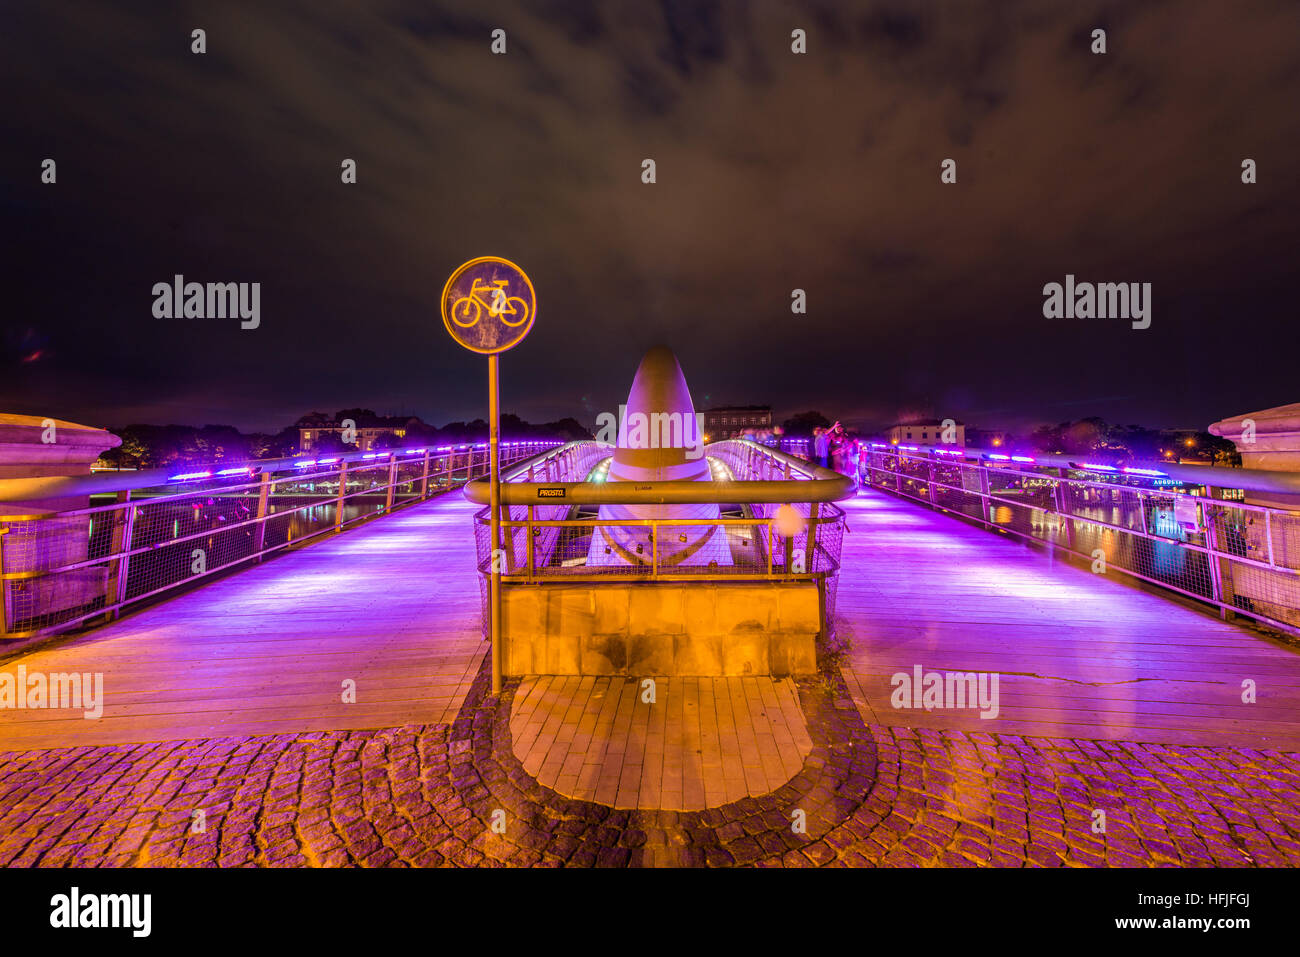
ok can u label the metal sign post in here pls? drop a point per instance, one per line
(494, 470)
(488, 305)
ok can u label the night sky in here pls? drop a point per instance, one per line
(775, 171)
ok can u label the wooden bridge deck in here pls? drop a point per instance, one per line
(1078, 654)
(394, 606)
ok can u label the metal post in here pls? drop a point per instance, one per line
(769, 547)
(424, 478)
(532, 558)
(494, 464)
(4, 586)
(1061, 513)
(125, 570)
(343, 490)
(508, 535)
(1212, 562)
(121, 542)
(392, 482)
(811, 543)
(984, 494)
(263, 500)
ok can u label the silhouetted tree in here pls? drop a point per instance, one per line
(804, 423)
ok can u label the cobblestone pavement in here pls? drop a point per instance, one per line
(430, 795)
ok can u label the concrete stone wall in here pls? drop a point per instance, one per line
(704, 629)
(35, 447)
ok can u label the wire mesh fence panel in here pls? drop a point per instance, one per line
(168, 564)
(592, 548)
(575, 543)
(1244, 558)
(58, 571)
(58, 568)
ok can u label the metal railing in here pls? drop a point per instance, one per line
(554, 543)
(1242, 559)
(61, 570)
(535, 548)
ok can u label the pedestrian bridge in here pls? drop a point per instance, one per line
(348, 595)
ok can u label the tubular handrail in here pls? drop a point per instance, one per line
(1214, 476)
(100, 483)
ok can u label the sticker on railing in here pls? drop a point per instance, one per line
(547, 492)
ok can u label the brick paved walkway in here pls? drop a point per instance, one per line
(429, 795)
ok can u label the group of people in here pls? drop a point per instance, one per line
(770, 437)
(834, 449)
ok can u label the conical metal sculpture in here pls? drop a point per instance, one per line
(660, 438)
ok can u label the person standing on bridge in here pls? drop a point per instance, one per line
(838, 446)
(821, 447)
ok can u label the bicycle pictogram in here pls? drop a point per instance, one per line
(468, 310)
(497, 287)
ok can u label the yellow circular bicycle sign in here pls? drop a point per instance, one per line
(488, 305)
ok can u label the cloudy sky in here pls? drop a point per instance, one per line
(775, 171)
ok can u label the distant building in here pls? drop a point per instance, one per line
(728, 423)
(315, 430)
(925, 433)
